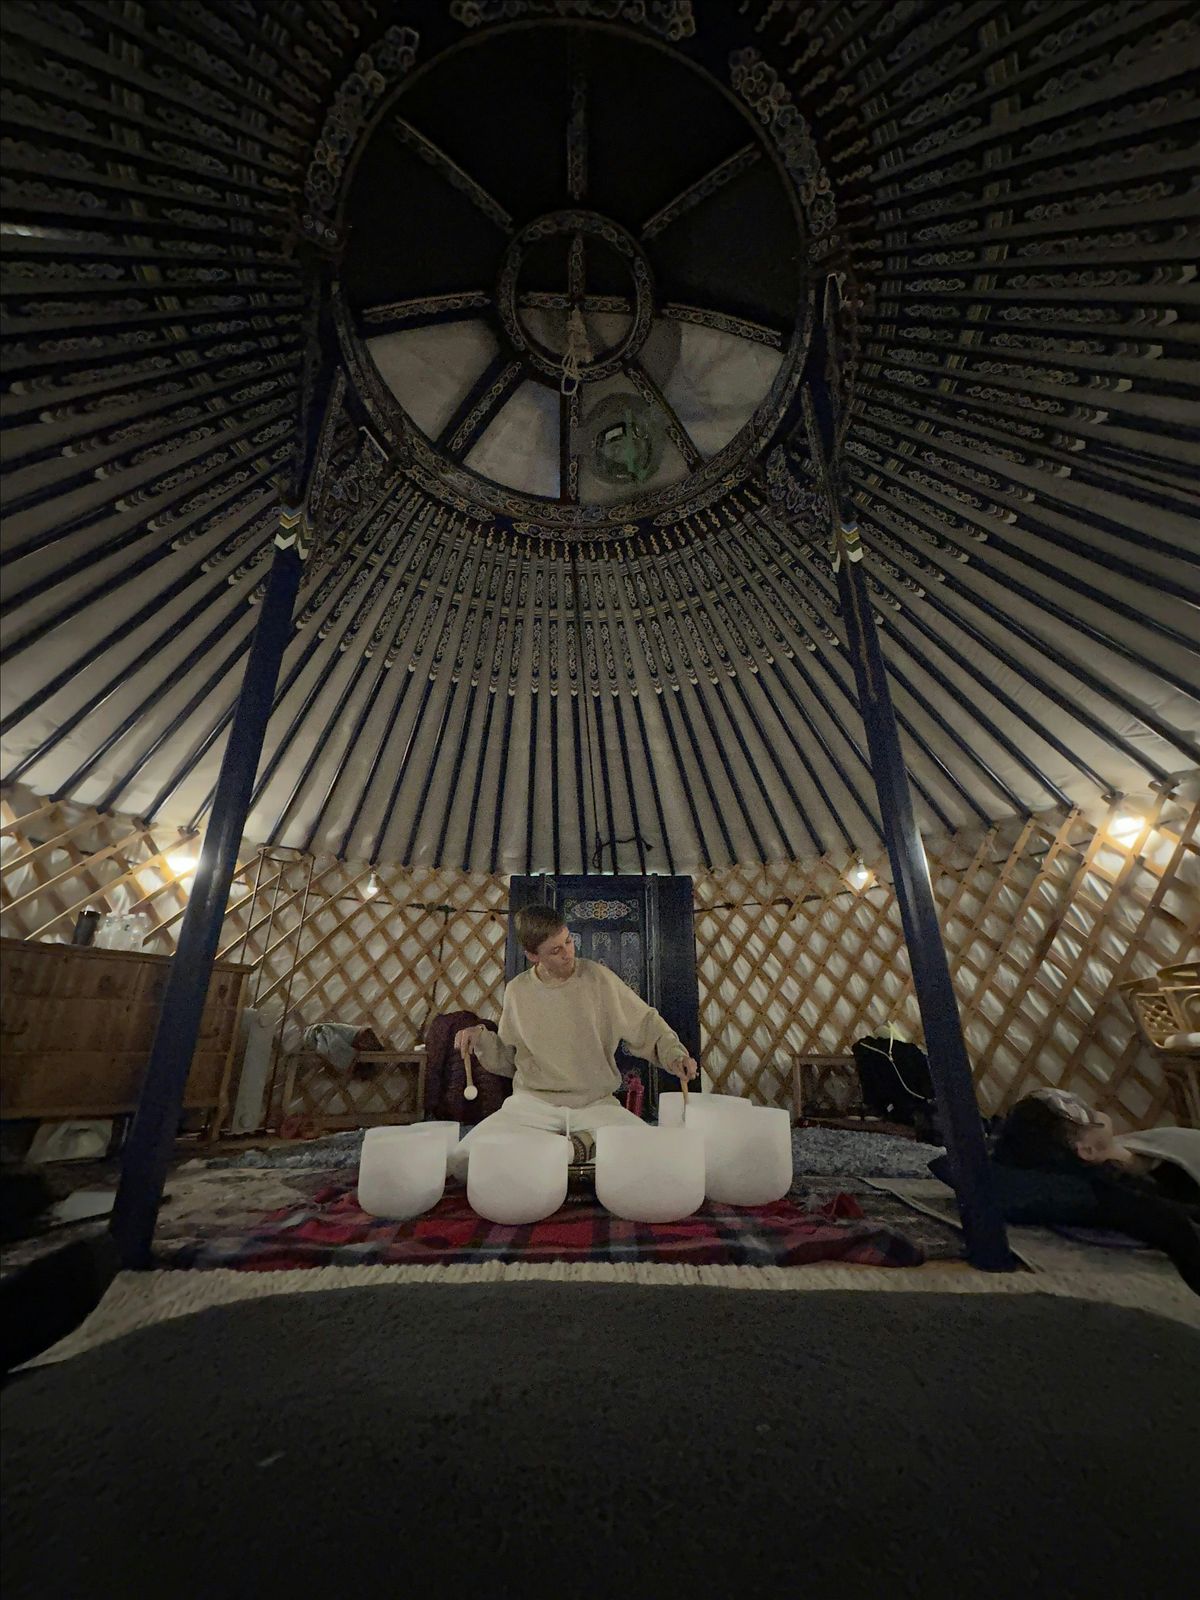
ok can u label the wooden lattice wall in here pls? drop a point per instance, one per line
(1042, 917)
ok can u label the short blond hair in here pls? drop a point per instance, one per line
(536, 924)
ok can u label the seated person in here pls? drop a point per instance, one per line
(1145, 1184)
(560, 1026)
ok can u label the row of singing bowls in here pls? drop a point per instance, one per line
(721, 1149)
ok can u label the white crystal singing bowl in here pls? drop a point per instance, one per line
(748, 1159)
(401, 1176)
(446, 1131)
(670, 1105)
(516, 1178)
(650, 1174)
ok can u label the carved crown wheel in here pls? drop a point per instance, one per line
(575, 264)
(525, 306)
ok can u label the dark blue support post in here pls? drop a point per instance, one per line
(156, 1122)
(983, 1224)
(949, 1064)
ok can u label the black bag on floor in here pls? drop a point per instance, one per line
(895, 1079)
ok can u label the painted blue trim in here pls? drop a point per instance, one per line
(1078, 713)
(431, 768)
(719, 747)
(315, 641)
(752, 767)
(116, 386)
(411, 588)
(655, 786)
(129, 478)
(128, 723)
(698, 754)
(477, 786)
(958, 1109)
(491, 374)
(1078, 462)
(402, 767)
(739, 679)
(555, 825)
(355, 734)
(909, 614)
(497, 820)
(819, 695)
(531, 776)
(37, 458)
(968, 754)
(756, 566)
(1077, 586)
(183, 771)
(768, 745)
(956, 586)
(152, 652)
(202, 694)
(629, 789)
(125, 630)
(162, 551)
(601, 746)
(319, 746)
(580, 789)
(456, 773)
(685, 784)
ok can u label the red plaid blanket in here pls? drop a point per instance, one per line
(331, 1230)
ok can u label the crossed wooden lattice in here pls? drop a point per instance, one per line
(1043, 918)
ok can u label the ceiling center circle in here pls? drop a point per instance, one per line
(582, 232)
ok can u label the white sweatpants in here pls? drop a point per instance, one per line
(525, 1110)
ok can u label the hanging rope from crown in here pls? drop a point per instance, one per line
(577, 354)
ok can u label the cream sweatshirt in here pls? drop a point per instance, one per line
(559, 1040)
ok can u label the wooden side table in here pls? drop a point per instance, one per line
(823, 1080)
(320, 1093)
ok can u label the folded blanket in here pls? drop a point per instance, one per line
(334, 1041)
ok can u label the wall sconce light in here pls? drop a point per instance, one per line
(860, 877)
(184, 860)
(1125, 827)
(372, 888)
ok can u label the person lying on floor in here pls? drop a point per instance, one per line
(560, 1027)
(1144, 1184)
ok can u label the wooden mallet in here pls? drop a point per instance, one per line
(470, 1092)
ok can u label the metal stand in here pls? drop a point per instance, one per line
(156, 1121)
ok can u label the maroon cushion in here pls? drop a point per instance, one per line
(446, 1076)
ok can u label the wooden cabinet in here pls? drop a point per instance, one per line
(77, 1025)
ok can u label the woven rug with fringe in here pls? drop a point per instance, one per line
(331, 1230)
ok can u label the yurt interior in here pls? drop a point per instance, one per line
(600, 797)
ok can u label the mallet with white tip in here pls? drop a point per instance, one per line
(470, 1092)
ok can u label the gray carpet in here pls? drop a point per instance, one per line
(592, 1440)
(823, 1152)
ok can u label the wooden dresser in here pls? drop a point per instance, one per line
(77, 1025)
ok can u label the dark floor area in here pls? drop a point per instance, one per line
(588, 1440)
